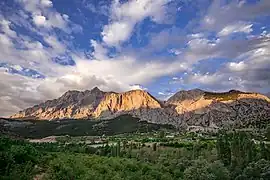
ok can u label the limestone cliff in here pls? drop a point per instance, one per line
(118, 103)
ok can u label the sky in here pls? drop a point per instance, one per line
(48, 47)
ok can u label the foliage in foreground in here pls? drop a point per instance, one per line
(235, 156)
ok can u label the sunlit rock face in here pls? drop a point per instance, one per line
(125, 102)
(184, 109)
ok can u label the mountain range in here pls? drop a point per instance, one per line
(185, 109)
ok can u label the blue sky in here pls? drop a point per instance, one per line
(50, 46)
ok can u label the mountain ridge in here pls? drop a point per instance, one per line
(185, 108)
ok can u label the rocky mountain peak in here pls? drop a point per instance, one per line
(95, 90)
(70, 93)
(193, 107)
(182, 95)
(235, 91)
(125, 102)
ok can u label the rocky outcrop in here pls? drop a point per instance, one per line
(184, 109)
(207, 109)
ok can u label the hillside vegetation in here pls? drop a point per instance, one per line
(119, 125)
(225, 96)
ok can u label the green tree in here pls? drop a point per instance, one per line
(259, 170)
(224, 149)
(202, 170)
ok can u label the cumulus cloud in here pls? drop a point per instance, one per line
(39, 20)
(124, 17)
(116, 33)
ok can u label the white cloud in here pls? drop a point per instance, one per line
(137, 10)
(137, 86)
(126, 69)
(235, 28)
(46, 3)
(203, 78)
(39, 20)
(125, 16)
(237, 66)
(116, 33)
(99, 51)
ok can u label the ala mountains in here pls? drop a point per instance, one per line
(185, 109)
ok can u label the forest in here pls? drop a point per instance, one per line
(228, 155)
